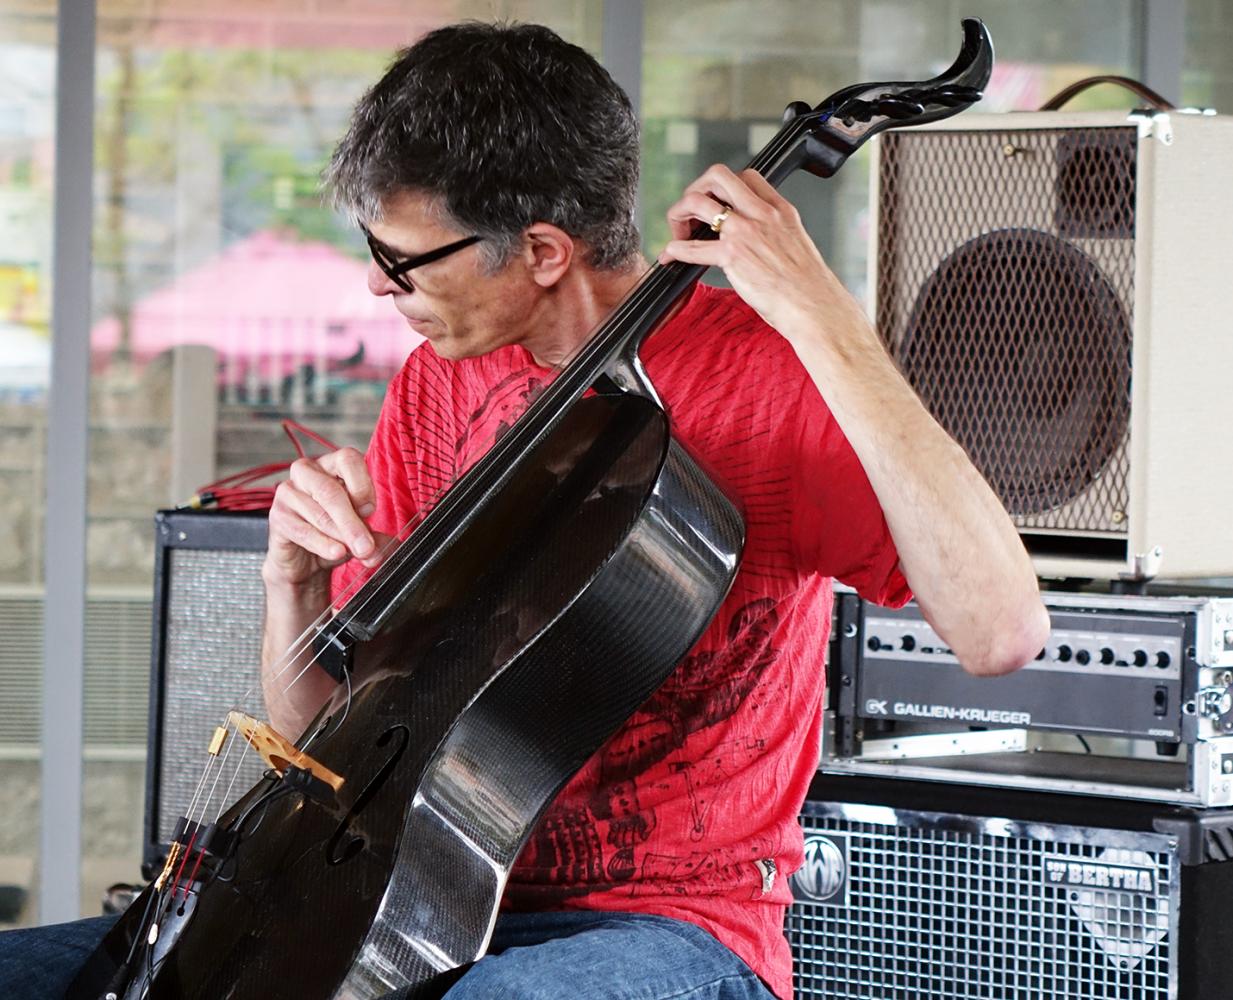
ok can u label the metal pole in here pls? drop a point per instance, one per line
(64, 544)
(1164, 47)
(622, 44)
(622, 54)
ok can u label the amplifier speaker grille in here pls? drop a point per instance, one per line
(1006, 295)
(902, 905)
(207, 654)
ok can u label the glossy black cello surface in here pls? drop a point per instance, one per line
(550, 591)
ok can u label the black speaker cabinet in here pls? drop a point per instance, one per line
(1056, 288)
(209, 606)
(914, 891)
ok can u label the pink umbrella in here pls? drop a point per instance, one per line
(270, 306)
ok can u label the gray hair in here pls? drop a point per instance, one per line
(502, 126)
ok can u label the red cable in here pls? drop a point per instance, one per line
(236, 492)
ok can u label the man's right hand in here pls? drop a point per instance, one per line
(316, 523)
(317, 520)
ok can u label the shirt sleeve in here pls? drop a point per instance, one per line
(839, 527)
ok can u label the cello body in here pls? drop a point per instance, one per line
(535, 635)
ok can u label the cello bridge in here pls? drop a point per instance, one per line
(278, 751)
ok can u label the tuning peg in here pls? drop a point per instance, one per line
(794, 110)
(954, 96)
(898, 108)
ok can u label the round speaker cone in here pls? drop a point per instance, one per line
(1020, 348)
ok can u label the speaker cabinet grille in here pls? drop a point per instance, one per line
(207, 655)
(1055, 286)
(896, 904)
(1006, 293)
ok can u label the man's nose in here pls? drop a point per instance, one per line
(379, 282)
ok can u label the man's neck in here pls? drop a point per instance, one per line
(568, 312)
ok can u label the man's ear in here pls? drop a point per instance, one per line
(549, 252)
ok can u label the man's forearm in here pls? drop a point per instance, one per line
(957, 546)
(294, 690)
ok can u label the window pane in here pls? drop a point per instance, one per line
(225, 295)
(1207, 75)
(27, 118)
(718, 73)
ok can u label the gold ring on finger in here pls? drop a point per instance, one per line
(717, 223)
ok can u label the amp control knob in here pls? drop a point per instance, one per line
(1106, 656)
(1140, 658)
(1064, 653)
(907, 643)
(1163, 659)
(1083, 657)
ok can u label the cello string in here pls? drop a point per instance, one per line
(304, 640)
(634, 301)
(651, 284)
(200, 784)
(336, 605)
(222, 764)
(654, 281)
(289, 659)
(191, 814)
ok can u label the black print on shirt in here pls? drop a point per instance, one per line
(501, 407)
(705, 689)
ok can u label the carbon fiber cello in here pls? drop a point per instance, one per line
(547, 594)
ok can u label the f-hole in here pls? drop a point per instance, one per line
(344, 846)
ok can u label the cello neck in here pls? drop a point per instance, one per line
(818, 140)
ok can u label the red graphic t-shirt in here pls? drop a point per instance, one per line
(690, 811)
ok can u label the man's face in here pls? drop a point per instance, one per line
(462, 311)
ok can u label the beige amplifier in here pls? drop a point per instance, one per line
(1058, 288)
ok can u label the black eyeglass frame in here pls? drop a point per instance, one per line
(395, 269)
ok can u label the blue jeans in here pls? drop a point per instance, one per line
(39, 962)
(534, 956)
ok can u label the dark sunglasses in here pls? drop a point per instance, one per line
(395, 269)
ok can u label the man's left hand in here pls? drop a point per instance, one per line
(763, 249)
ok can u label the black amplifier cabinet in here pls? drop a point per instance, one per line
(1150, 676)
(914, 892)
(209, 606)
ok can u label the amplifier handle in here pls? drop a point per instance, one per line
(1134, 86)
